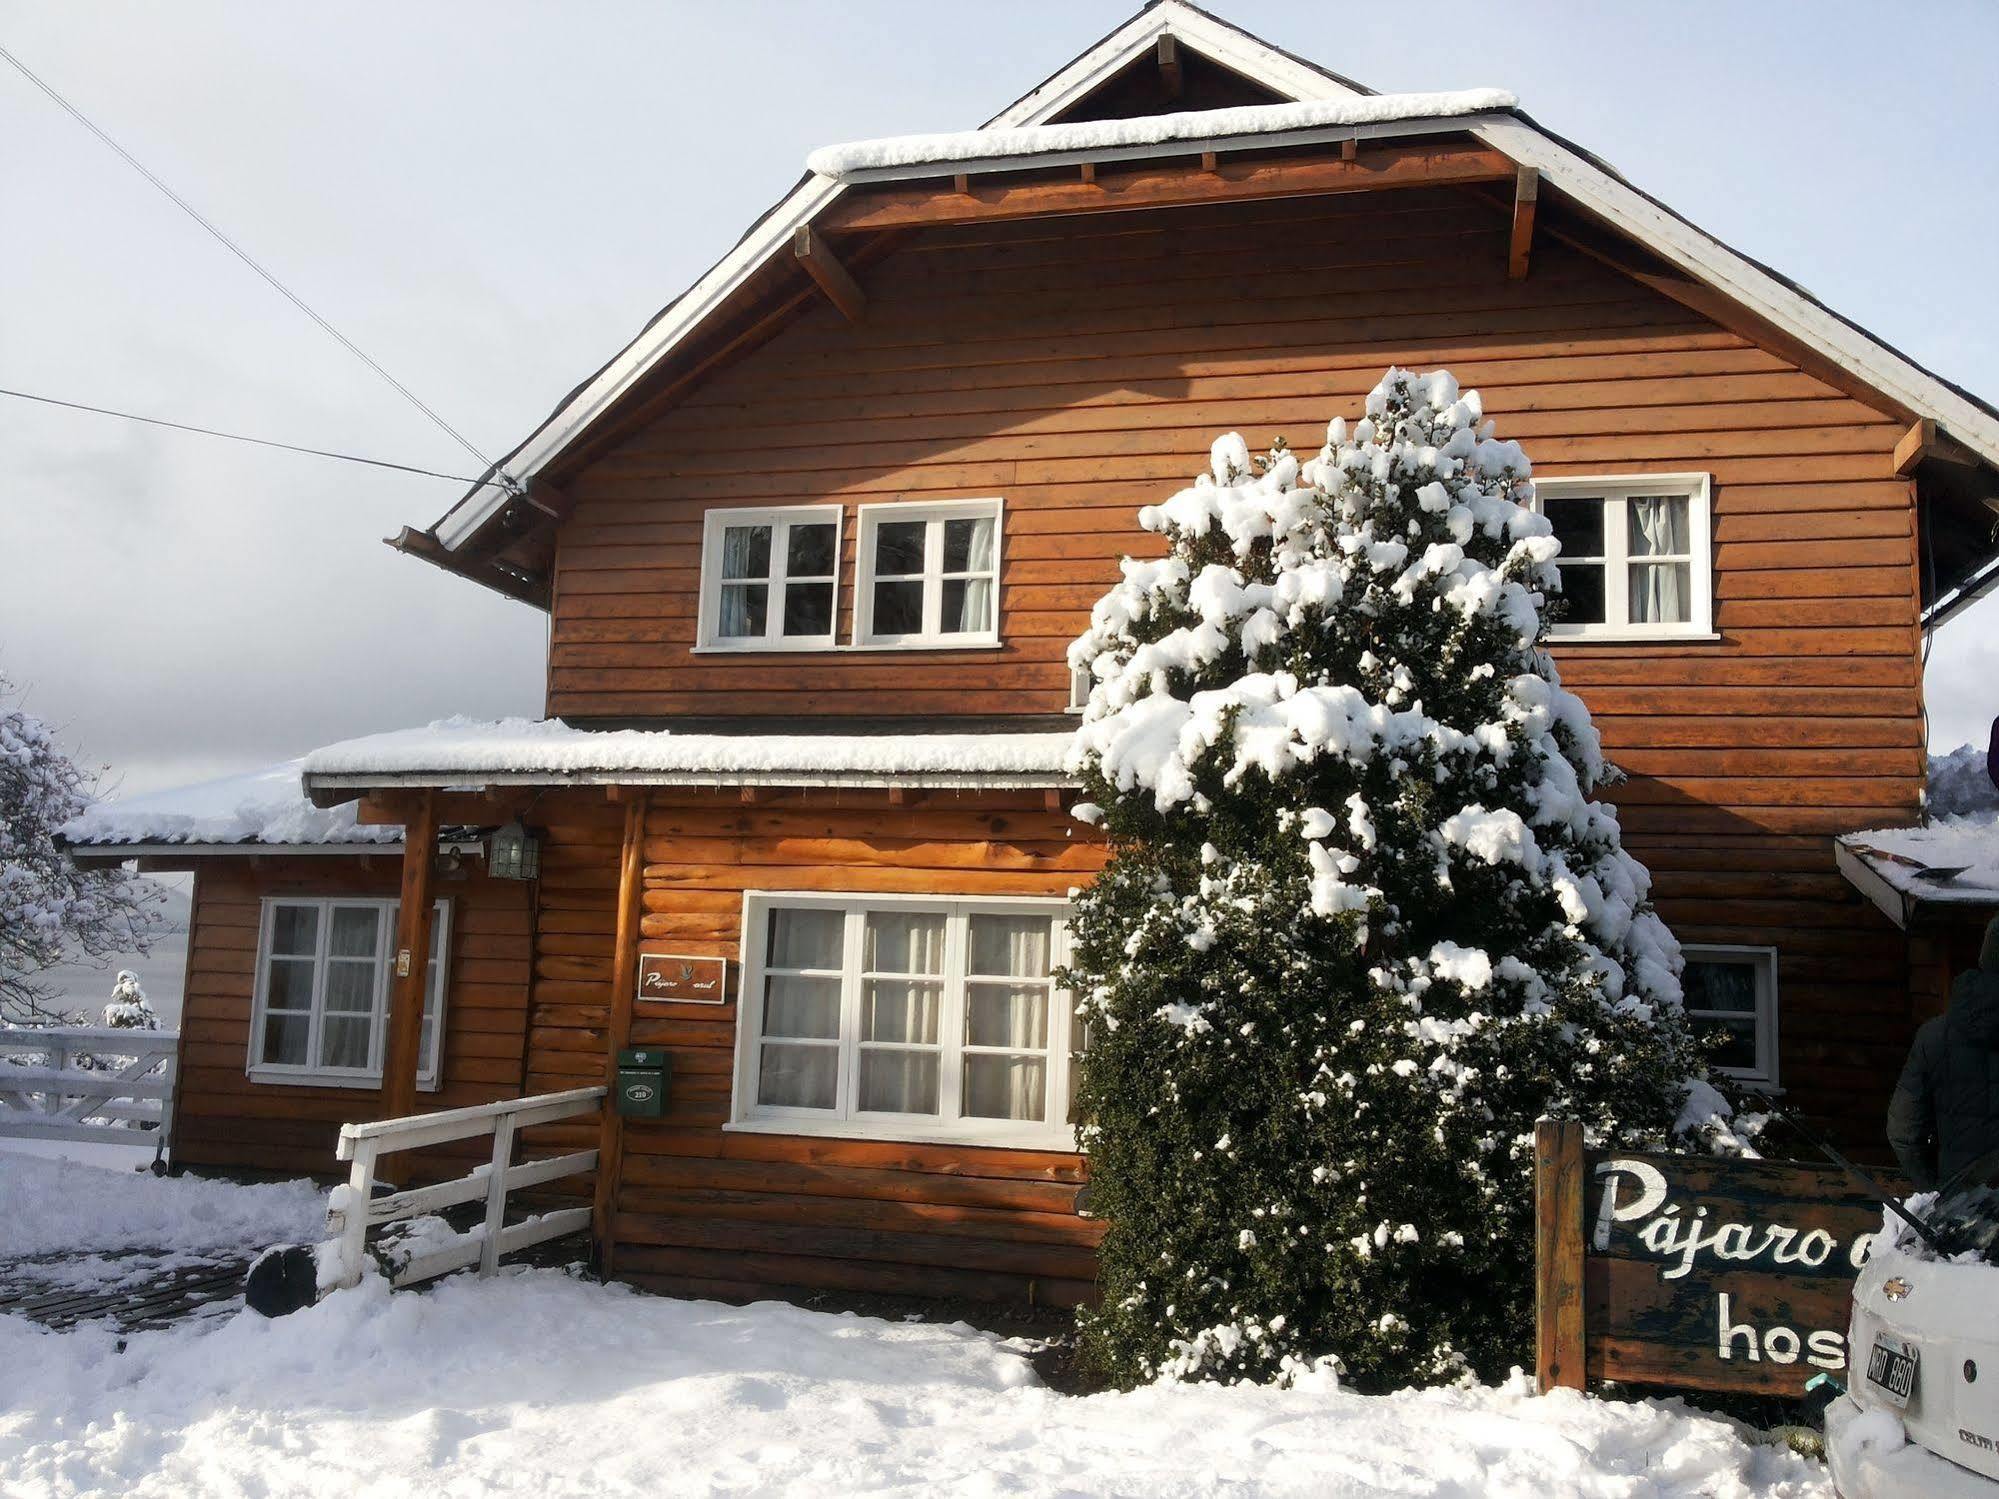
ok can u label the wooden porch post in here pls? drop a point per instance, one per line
(618, 1028)
(411, 958)
(1558, 1255)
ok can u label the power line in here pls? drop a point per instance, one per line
(262, 442)
(244, 255)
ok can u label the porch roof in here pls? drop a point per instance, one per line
(463, 752)
(1950, 863)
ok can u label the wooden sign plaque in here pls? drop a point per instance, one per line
(671, 978)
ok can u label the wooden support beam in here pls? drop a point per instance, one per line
(410, 964)
(1350, 148)
(1151, 185)
(962, 183)
(1171, 79)
(618, 1028)
(1052, 799)
(1089, 171)
(1923, 442)
(1209, 161)
(1526, 192)
(824, 267)
(1558, 1255)
(749, 796)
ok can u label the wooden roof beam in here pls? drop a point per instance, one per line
(1171, 80)
(1166, 186)
(824, 267)
(1526, 192)
(1923, 442)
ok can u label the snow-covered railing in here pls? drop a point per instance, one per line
(92, 1083)
(353, 1208)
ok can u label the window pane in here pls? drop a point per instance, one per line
(1578, 526)
(898, 608)
(353, 932)
(1662, 593)
(808, 551)
(806, 937)
(350, 988)
(898, 1082)
(295, 929)
(802, 1007)
(1738, 1041)
(290, 984)
(343, 1041)
(967, 605)
(746, 552)
(968, 545)
(1582, 587)
(808, 609)
(1009, 946)
(1005, 1087)
(284, 1039)
(900, 1010)
(426, 1051)
(899, 546)
(745, 610)
(797, 1077)
(1718, 984)
(996, 1015)
(1658, 525)
(904, 942)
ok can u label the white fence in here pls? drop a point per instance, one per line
(89, 1083)
(355, 1209)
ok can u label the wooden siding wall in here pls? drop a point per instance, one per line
(703, 1211)
(1080, 367)
(223, 1120)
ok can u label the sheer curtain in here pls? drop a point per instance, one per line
(1012, 1015)
(1660, 591)
(900, 1003)
(745, 555)
(975, 612)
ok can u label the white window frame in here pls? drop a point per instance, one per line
(1615, 490)
(845, 1121)
(780, 519)
(931, 636)
(430, 1078)
(1764, 1074)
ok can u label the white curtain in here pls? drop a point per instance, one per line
(740, 547)
(1660, 591)
(803, 1008)
(976, 611)
(1014, 1015)
(901, 1011)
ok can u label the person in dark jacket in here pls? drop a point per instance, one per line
(1945, 1112)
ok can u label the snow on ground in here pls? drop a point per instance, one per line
(87, 1224)
(539, 1383)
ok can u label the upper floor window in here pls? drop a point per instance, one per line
(1636, 557)
(907, 1017)
(768, 578)
(928, 574)
(320, 1011)
(1732, 992)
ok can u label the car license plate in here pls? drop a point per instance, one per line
(1891, 1367)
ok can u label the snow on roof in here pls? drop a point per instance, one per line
(842, 161)
(520, 750)
(1951, 860)
(258, 806)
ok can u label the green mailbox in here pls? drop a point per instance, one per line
(642, 1072)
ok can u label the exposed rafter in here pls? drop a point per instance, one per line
(824, 267)
(1526, 192)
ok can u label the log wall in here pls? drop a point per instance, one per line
(223, 1120)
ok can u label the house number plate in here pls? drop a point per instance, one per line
(682, 981)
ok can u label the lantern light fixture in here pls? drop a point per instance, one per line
(513, 853)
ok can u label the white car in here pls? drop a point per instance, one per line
(1920, 1417)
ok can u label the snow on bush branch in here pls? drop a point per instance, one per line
(1363, 922)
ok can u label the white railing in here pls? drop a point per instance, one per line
(353, 1208)
(91, 1083)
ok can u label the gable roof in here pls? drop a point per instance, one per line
(1589, 182)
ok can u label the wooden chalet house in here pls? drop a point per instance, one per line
(813, 546)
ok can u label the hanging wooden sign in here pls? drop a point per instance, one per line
(675, 979)
(1689, 1271)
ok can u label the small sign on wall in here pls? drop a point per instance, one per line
(673, 979)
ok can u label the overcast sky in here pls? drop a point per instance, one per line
(492, 198)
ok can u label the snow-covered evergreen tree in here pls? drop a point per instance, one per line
(129, 1009)
(50, 910)
(1363, 923)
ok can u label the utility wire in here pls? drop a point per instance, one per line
(505, 482)
(262, 442)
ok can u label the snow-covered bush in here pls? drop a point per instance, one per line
(50, 909)
(1363, 923)
(129, 1009)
